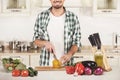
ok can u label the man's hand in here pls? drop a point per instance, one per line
(65, 58)
(48, 45)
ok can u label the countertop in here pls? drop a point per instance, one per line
(61, 75)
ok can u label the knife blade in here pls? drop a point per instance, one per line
(54, 56)
(98, 41)
(91, 37)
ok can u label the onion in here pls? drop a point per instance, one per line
(98, 71)
(88, 71)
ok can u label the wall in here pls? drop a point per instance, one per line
(21, 27)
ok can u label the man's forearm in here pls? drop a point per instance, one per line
(73, 50)
(39, 43)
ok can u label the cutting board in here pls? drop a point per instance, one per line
(39, 68)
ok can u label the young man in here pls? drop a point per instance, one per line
(57, 31)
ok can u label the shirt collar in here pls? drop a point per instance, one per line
(66, 11)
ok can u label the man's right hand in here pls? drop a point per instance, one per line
(46, 44)
(49, 46)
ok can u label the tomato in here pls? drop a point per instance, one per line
(70, 69)
(24, 73)
(16, 73)
(79, 68)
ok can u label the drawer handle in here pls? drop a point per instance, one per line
(77, 56)
(110, 56)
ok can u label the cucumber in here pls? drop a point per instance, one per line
(10, 68)
(35, 72)
(31, 73)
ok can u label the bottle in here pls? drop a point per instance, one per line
(98, 56)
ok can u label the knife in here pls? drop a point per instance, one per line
(54, 55)
(97, 39)
(93, 40)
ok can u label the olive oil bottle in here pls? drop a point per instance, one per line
(98, 56)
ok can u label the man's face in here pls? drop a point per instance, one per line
(57, 3)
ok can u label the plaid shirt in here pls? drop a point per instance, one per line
(72, 33)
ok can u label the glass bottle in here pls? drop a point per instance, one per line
(98, 56)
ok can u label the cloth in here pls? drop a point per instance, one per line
(72, 34)
(56, 33)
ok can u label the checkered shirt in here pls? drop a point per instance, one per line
(72, 34)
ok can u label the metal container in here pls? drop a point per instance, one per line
(1, 48)
(14, 45)
(23, 48)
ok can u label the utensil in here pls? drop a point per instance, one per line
(95, 41)
(54, 56)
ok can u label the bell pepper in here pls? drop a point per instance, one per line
(79, 68)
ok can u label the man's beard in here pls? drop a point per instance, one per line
(58, 7)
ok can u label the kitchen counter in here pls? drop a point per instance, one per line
(61, 75)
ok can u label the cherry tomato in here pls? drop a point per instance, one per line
(16, 73)
(79, 68)
(24, 73)
(70, 69)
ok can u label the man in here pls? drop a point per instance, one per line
(57, 31)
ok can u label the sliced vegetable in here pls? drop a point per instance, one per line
(79, 68)
(10, 68)
(70, 69)
(56, 63)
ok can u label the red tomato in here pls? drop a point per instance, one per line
(16, 73)
(70, 69)
(79, 68)
(24, 73)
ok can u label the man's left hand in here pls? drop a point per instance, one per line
(65, 58)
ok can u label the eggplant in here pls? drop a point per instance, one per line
(90, 64)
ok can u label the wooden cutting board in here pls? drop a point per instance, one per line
(39, 68)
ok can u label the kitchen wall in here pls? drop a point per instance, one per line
(22, 27)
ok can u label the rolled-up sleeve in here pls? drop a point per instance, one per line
(38, 33)
(77, 33)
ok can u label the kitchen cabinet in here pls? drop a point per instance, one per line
(106, 7)
(113, 60)
(119, 60)
(83, 57)
(23, 57)
(14, 7)
(34, 60)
